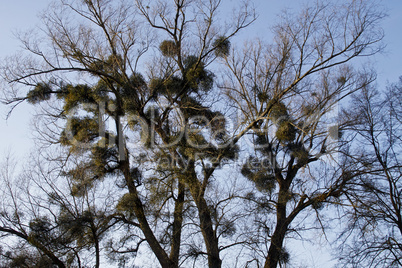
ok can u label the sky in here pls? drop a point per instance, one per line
(15, 16)
(18, 15)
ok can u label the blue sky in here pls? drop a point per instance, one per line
(14, 16)
(19, 15)
(23, 14)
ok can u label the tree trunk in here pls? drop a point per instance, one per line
(275, 252)
(138, 208)
(207, 230)
(211, 241)
(177, 225)
(96, 242)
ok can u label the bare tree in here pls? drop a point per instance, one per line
(46, 224)
(289, 93)
(373, 231)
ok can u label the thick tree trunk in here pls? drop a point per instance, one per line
(276, 247)
(160, 253)
(177, 225)
(211, 241)
(207, 230)
(97, 248)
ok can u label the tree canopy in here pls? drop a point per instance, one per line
(159, 137)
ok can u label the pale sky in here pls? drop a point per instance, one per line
(23, 14)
